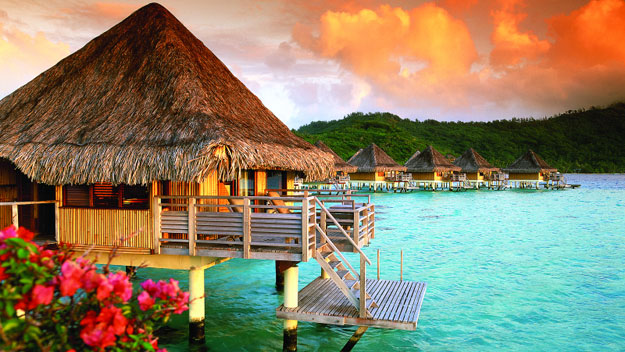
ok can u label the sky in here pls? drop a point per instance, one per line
(449, 60)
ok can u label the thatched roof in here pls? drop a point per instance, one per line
(430, 160)
(145, 101)
(416, 154)
(528, 163)
(374, 159)
(471, 161)
(339, 163)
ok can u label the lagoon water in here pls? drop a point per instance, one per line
(513, 270)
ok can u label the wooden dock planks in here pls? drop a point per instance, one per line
(399, 304)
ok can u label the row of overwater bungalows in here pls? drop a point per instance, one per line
(372, 164)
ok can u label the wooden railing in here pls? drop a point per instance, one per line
(15, 211)
(280, 228)
(353, 218)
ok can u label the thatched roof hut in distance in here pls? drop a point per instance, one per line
(474, 165)
(339, 164)
(416, 154)
(530, 166)
(145, 101)
(430, 165)
(372, 163)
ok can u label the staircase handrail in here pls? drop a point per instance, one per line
(342, 230)
(336, 250)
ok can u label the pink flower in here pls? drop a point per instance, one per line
(42, 294)
(100, 330)
(70, 278)
(121, 285)
(145, 301)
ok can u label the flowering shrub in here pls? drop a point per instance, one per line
(52, 302)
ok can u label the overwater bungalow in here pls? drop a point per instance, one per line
(529, 169)
(341, 168)
(476, 168)
(375, 167)
(430, 165)
(413, 156)
(144, 141)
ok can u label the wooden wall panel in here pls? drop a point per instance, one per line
(260, 182)
(8, 190)
(104, 227)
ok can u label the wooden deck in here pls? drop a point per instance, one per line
(321, 301)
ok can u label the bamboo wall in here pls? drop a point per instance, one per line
(426, 176)
(104, 227)
(526, 176)
(475, 176)
(364, 176)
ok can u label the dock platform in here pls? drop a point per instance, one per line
(321, 301)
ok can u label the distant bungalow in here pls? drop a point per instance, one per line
(475, 166)
(529, 167)
(373, 164)
(341, 168)
(430, 165)
(416, 154)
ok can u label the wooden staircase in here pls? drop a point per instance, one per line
(341, 272)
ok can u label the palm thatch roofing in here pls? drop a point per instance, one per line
(339, 163)
(529, 163)
(471, 161)
(430, 160)
(145, 101)
(374, 159)
(416, 154)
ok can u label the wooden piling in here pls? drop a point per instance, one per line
(291, 290)
(196, 306)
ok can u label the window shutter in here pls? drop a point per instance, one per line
(76, 196)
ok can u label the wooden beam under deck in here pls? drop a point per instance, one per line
(399, 304)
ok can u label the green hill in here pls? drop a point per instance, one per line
(590, 140)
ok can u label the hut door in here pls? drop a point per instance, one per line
(26, 192)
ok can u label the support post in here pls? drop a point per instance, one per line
(15, 216)
(196, 306)
(305, 228)
(56, 221)
(156, 213)
(354, 339)
(363, 287)
(290, 301)
(247, 228)
(191, 229)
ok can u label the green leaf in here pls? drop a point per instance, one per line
(11, 324)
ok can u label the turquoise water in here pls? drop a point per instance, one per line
(513, 270)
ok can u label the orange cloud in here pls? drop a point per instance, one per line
(591, 35)
(23, 56)
(511, 46)
(389, 43)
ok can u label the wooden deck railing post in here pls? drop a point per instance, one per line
(323, 223)
(247, 228)
(363, 287)
(365, 224)
(191, 229)
(372, 223)
(356, 227)
(156, 213)
(305, 202)
(15, 216)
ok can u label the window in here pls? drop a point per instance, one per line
(106, 196)
(276, 179)
(246, 183)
